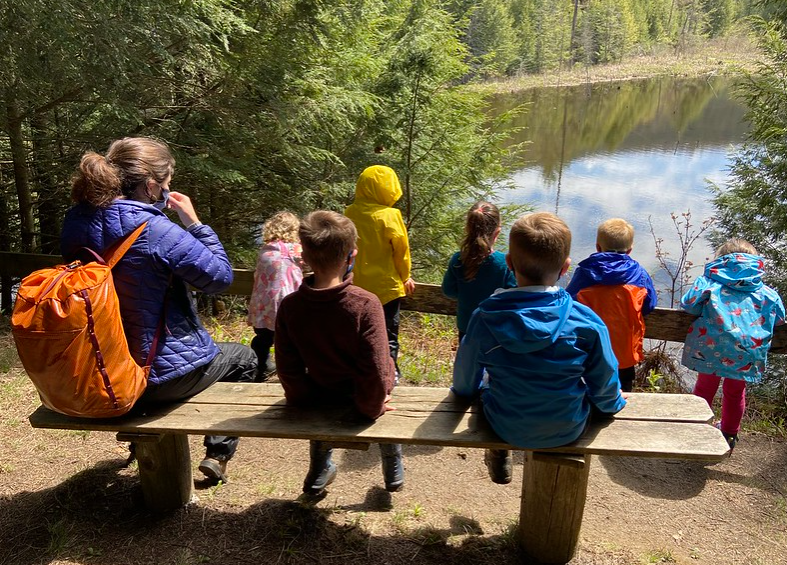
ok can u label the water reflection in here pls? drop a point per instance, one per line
(637, 150)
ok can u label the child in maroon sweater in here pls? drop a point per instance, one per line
(331, 343)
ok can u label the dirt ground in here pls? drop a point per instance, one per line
(66, 497)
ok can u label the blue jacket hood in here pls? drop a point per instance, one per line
(610, 268)
(739, 271)
(523, 322)
(540, 360)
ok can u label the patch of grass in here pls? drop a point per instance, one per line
(355, 519)
(186, 556)
(659, 556)
(427, 343)
(59, 536)
(14, 386)
(230, 326)
(81, 434)
(8, 356)
(509, 536)
(765, 413)
(266, 489)
(418, 510)
(398, 519)
(428, 535)
(213, 490)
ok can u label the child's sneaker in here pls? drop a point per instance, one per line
(500, 465)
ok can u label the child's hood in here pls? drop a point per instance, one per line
(523, 322)
(740, 271)
(610, 268)
(378, 184)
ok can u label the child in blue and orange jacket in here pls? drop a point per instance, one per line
(619, 290)
(478, 270)
(547, 358)
(731, 337)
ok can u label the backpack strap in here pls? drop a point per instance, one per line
(116, 252)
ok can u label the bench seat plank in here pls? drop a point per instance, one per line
(640, 405)
(682, 440)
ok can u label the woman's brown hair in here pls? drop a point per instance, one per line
(483, 219)
(129, 162)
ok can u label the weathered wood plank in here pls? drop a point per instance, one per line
(666, 407)
(640, 405)
(612, 437)
(553, 501)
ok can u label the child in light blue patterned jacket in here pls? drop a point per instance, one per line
(730, 339)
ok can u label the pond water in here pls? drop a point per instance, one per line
(639, 150)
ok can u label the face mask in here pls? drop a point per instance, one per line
(351, 264)
(161, 204)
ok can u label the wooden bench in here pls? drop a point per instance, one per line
(555, 481)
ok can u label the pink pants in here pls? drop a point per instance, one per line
(733, 399)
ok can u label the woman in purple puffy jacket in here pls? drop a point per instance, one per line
(116, 193)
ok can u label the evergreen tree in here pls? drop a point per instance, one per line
(754, 204)
(491, 37)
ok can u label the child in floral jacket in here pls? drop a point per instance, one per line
(278, 274)
(730, 339)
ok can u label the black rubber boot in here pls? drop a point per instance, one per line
(500, 465)
(322, 471)
(393, 467)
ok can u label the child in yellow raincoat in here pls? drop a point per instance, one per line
(383, 263)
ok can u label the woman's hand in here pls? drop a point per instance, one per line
(183, 206)
(409, 286)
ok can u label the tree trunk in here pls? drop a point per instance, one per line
(21, 180)
(6, 297)
(573, 33)
(409, 157)
(49, 197)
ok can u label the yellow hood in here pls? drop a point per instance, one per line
(378, 184)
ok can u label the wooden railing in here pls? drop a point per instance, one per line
(662, 324)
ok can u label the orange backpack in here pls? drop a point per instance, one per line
(69, 334)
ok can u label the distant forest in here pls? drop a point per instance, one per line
(279, 104)
(508, 37)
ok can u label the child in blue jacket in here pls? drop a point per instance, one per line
(731, 337)
(547, 357)
(476, 271)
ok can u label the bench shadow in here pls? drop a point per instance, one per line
(96, 516)
(669, 479)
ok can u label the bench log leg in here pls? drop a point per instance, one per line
(165, 472)
(553, 500)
